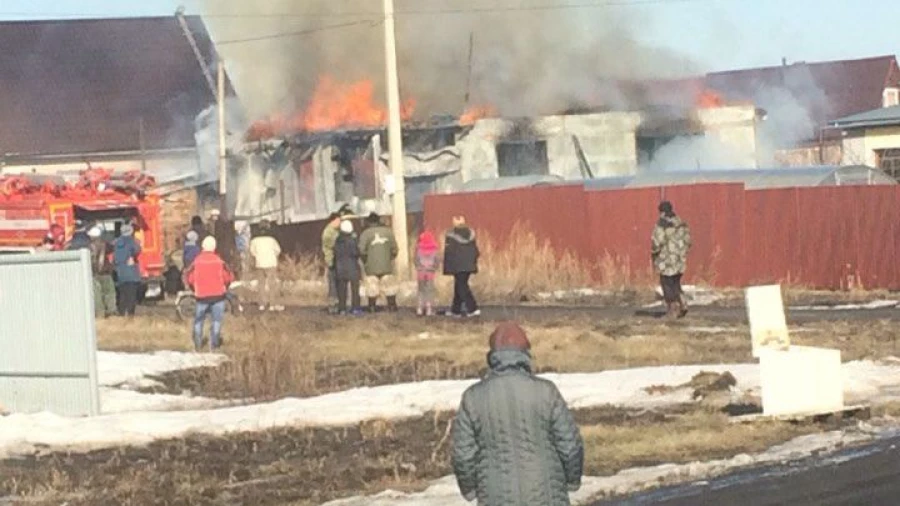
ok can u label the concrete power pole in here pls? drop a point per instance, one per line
(395, 139)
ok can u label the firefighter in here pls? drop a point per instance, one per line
(80, 239)
(104, 286)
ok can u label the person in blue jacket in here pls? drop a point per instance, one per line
(126, 251)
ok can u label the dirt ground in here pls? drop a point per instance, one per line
(310, 466)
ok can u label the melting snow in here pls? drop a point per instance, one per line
(20, 433)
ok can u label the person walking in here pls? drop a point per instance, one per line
(514, 439)
(670, 244)
(329, 236)
(209, 278)
(265, 250)
(102, 268)
(346, 269)
(427, 262)
(378, 249)
(126, 251)
(461, 261)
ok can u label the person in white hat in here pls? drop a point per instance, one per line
(209, 278)
(347, 270)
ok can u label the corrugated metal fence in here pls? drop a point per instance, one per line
(822, 237)
(47, 335)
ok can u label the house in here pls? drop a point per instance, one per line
(798, 99)
(306, 176)
(117, 93)
(872, 138)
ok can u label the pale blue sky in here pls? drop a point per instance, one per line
(718, 34)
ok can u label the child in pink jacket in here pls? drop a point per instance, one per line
(427, 263)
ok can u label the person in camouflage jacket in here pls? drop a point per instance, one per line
(515, 441)
(671, 242)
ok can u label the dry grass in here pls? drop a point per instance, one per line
(698, 435)
(309, 354)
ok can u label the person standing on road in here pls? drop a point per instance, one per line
(265, 250)
(427, 262)
(461, 261)
(346, 269)
(126, 251)
(329, 237)
(378, 249)
(669, 248)
(102, 268)
(209, 278)
(514, 439)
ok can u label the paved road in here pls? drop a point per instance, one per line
(868, 476)
(544, 313)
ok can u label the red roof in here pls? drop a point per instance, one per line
(76, 86)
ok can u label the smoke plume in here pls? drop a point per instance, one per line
(523, 62)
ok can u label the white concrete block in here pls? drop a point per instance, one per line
(801, 380)
(768, 324)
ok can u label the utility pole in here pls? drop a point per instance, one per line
(223, 154)
(395, 139)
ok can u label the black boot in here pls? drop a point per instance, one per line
(392, 304)
(373, 305)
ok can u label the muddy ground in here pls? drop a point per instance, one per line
(292, 466)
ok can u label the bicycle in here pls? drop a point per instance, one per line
(186, 303)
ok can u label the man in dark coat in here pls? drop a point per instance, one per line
(515, 441)
(461, 261)
(126, 250)
(347, 270)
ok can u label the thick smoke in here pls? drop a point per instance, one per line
(523, 62)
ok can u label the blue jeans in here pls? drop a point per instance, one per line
(217, 309)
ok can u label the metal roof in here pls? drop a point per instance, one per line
(508, 183)
(883, 116)
(753, 178)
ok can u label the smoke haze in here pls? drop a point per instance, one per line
(523, 62)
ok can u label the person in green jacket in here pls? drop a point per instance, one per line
(514, 439)
(378, 249)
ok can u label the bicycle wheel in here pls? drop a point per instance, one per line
(185, 307)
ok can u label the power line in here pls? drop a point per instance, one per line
(372, 23)
(419, 12)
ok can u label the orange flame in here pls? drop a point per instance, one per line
(709, 99)
(333, 106)
(477, 112)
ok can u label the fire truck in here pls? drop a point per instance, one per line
(30, 204)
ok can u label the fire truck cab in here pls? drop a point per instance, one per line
(30, 205)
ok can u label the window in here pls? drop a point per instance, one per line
(889, 161)
(891, 97)
(523, 158)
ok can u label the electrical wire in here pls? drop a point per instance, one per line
(309, 31)
(399, 12)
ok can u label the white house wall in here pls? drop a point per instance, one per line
(734, 127)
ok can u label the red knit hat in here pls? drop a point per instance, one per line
(509, 336)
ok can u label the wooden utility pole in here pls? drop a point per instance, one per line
(395, 139)
(223, 153)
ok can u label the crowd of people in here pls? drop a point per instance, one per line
(368, 260)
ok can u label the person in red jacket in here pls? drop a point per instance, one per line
(209, 278)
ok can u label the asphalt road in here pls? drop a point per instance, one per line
(545, 313)
(868, 476)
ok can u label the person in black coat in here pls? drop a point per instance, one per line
(461, 261)
(347, 270)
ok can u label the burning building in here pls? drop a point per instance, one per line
(302, 167)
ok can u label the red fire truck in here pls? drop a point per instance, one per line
(30, 204)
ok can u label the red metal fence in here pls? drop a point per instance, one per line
(825, 237)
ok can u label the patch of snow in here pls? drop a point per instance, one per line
(132, 369)
(875, 304)
(114, 400)
(569, 294)
(711, 330)
(21, 433)
(696, 296)
(444, 492)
